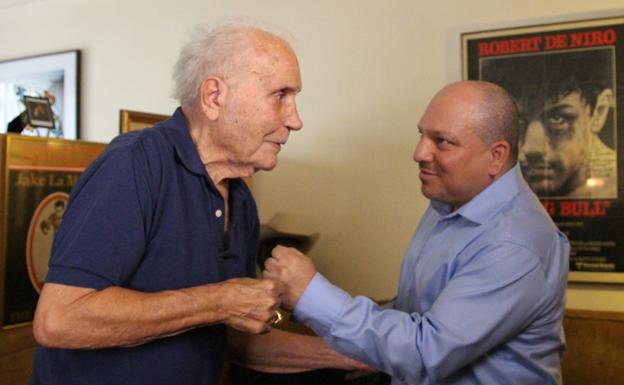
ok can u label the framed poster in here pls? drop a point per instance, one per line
(568, 88)
(55, 77)
(36, 179)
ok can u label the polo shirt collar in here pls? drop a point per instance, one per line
(489, 201)
(181, 138)
(178, 133)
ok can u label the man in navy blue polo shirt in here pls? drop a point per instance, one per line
(154, 261)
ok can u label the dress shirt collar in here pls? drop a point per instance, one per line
(489, 201)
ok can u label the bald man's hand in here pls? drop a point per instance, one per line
(294, 269)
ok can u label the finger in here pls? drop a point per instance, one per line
(276, 277)
(262, 311)
(270, 263)
(272, 270)
(280, 287)
(276, 318)
(274, 286)
(252, 326)
(279, 251)
(269, 274)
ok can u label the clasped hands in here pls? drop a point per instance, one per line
(251, 304)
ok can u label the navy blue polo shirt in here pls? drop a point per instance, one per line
(146, 216)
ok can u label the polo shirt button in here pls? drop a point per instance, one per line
(218, 213)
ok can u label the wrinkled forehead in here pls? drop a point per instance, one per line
(273, 57)
(265, 44)
(266, 58)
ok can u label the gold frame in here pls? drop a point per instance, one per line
(43, 157)
(137, 120)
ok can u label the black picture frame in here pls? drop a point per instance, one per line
(39, 112)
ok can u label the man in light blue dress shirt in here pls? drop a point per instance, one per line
(481, 291)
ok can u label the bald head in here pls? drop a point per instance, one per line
(466, 136)
(493, 113)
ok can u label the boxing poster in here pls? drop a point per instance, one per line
(567, 85)
(38, 175)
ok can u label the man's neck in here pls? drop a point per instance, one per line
(217, 161)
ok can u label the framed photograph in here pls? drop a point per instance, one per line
(55, 77)
(39, 112)
(568, 81)
(135, 120)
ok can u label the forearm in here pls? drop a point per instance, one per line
(117, 317)
(284, 352)
(83, 318)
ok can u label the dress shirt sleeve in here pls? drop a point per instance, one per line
(490, 299)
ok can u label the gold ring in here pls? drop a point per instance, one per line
(278, 318)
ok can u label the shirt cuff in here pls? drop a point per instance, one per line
(320, 305)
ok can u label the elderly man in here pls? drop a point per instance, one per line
(147, 272)
(481, 290)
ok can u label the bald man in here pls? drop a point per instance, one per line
(481, 290)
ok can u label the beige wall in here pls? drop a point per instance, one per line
(369, 68)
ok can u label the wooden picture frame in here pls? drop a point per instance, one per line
(135, 120)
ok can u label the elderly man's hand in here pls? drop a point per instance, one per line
(294, 269)
(250, 305)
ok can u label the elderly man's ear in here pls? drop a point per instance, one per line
(212, 94)
(599, 116)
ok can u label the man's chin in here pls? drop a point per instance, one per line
(266, 166)
(427, 192)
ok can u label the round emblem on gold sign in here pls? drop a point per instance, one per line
(43, 226)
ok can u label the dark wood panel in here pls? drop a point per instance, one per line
(593, 357)
(595, 350)
(16, 349)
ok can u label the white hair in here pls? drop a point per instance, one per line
(217, 50)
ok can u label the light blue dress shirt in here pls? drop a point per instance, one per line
(480, 299)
